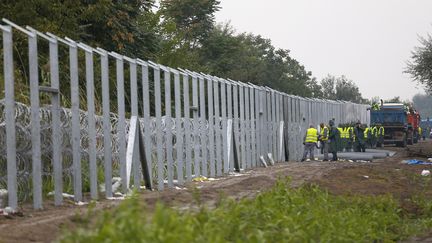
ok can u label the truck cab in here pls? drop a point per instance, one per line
(394, 118)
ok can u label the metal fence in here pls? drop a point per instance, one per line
(79, 146)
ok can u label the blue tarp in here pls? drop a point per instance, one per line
(417, 162)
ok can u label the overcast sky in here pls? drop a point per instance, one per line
(369, 41)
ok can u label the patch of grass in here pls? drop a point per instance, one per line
(282, 214)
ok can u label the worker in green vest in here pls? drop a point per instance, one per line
(381, 133)
(310, 142)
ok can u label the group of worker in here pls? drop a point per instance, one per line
(344, 138)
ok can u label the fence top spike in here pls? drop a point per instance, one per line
(131, 60)
(182, 71)
(153, 65)
(166, 69)
(29, 33)
(142, 62)
(173, 70)
(60, 39)
(46, 37)
(100, 51)
(85, 47)
(5, 28)
(115, 55)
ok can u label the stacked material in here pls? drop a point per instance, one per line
(369, 155)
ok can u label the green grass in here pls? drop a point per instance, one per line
(282, 214)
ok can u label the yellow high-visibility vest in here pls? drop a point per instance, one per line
(374, 131)
(311, 135)
(381, 131)
(322, 133)
(366, 131)
(340, 132)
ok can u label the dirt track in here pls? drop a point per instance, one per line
(380, 177)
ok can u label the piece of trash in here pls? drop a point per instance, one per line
(200, 179)
(235, 174)
(8, 210)
(352, 161)
(213, 179)
(115, 198)
(119, 194)
(263, 162)
(180, 188)
(425, 172)
(65, 195)
(270, 157)
(365, 176)
(416, 162)
(81, 203)
(430, 159)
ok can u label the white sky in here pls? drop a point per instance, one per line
(369, 41)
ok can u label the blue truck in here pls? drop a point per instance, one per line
(397, 123)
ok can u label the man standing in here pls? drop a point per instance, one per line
(310, 141)
(368, 136)
(350, 139)
(333, 140)
(381, 133)
(360, 138)
(324, 140)
(374, 136)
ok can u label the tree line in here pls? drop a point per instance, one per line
(176, 33)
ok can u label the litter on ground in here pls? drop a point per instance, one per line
(200, 179)
(425, 172)
(416, 162)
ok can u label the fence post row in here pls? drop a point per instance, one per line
(220, 125)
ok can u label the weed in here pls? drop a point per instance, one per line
(282, 214)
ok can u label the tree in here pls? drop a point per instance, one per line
(328, 87)
(423, 104)
(184, 25)
(420, 65)
(193, 18)
(395, 99)
(341, 88)
(252, 58)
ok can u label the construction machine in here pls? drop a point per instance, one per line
(400, 123)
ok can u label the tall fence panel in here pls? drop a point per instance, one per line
(79, 140)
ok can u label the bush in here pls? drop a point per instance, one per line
(282, 214)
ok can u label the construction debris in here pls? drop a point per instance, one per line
(425, 172)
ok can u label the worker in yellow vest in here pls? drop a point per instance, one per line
(341, 140)
(419, 133)
(368, 136)
(324, 141)
(381, 133)
(310, 142)
(350, 138)
(374, 136)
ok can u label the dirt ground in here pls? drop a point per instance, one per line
(385, 176)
